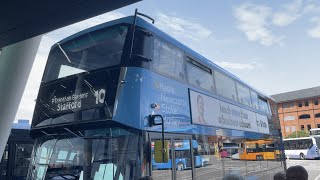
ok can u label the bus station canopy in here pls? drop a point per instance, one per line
(20, 20)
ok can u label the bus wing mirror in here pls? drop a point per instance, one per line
(155, 120)
(161, 155)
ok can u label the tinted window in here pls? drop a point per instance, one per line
(254, 98)
(244, 95)
(93, 155)
(314, 131)
(22, 160)
(225, 86)
(168, 60)
(303, 144)
(4, 163)
(93, 50)
(263, 105)
(199, 77)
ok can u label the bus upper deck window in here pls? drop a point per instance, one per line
(168, 60)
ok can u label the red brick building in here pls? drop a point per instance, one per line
(298, 110)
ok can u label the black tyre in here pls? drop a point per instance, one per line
(302, 156)
(259, 158)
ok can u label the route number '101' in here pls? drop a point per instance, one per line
(100, 95)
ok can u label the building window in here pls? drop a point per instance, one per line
(304, 116)
(309, 127)
(306, 103)
(316, 102)
(318, 125)
(302, 127)
(291, 105)
(288, 105)
(289, 118)
(287, 128)
(300, 104)
(317, 115)
(285, 105)
(293, 128)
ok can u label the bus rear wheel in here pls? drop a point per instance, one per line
(259, 158)
(302, 156)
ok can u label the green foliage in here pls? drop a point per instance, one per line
(299, 133)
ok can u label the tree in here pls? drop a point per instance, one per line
(299, 133)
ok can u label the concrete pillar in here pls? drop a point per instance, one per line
(16, 61)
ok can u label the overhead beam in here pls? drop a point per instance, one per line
(20, 20)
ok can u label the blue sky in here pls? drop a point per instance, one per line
(272, 45)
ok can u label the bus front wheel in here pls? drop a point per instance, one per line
(302, 156)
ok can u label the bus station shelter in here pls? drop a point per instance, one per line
(22, 24)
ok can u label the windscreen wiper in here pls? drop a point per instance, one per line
(64, 53)
(65, 176)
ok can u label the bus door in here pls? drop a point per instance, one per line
(180, 164)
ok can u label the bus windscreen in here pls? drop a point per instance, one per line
(90, 51)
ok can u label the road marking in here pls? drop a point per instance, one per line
(317, 177)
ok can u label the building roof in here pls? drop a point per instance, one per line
(296, 95)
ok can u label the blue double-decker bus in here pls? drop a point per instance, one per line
(109, 91)
(182, 156)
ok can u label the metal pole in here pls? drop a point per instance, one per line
(163, 149)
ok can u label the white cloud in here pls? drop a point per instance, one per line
(288, 14)
(237, 66)
(315, 31)
(311, 7)
(253, 21)
(182, 28)
(283, 19)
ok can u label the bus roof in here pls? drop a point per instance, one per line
(314, 129)
(288, 139)
(148, 26)
(261, 141)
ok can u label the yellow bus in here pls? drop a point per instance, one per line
(259, 150)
